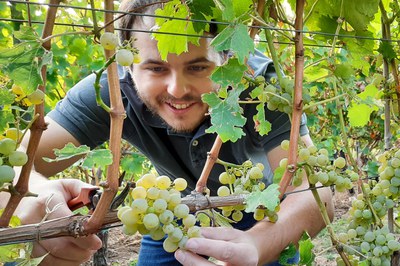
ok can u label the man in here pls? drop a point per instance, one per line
(166, 120)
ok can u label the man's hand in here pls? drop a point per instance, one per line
(229, 246)
(55, 194)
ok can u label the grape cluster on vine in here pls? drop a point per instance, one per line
(156, 210)
(243, 179)
(10, 157)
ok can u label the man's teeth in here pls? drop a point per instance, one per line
(180, 106)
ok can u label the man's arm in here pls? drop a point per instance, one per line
(265, 241)
(54, 137)
(60, 251)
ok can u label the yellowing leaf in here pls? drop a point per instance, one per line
(359, 114)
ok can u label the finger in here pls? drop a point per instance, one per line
(61, 250)
(221, 233)
(187, 258)
(233, 253)
(73, 187)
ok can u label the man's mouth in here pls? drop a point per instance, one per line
(179, 106)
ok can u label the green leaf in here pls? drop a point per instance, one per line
(26, 34)
(226, 115)
(6, 97)
(236, 39)
(269, 198)
(201, 10)
(176, 41)
(229, 74)
(69, 151)
(99, 158)
(226, 6)
(386, 49)
(6, 117)
(23, 64)
(262, 126)
(287, 254)
(133, 163)
(305, 250)
(278, 174)
(221, 220)
(359, 114)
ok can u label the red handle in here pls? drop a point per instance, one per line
(83, 199)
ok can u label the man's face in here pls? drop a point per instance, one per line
(172, 89)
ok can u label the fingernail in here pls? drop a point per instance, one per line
(180, 256)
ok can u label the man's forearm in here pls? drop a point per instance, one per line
(299, 213)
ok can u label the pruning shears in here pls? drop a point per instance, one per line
(88, 197)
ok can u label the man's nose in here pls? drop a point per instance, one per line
(177, 85)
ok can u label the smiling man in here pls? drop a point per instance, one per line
(166, 120)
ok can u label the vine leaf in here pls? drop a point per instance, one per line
(133, 163)
(98, 157)
(6, 97)
(305, 250)
(262, 126)
(179, 31)
(387, 51)
(236, 39)
(287, 254)
(269, 198)
(229, 74)
(226, 6)
(359, 113)
(226, 115)
(6, 117)
(201, 10)
(24, 61)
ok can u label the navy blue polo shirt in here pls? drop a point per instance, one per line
(172, 154)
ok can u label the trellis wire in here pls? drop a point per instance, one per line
(191, 20)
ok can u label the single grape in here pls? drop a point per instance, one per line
(13, 133)
(339, 162)
(285, 145)
(7, 146)
(255, 173)
(180, 184)
(164, 194)
(140, 205)
(109, 40)
(122, 210)
(129, 229)
(181, 210)
(259, 214)
(189, 221)
(163, 182)
(157, 234)
(17, 158)
(148, 180)
(343, 237)
(176, 235)
(224, 178)
(168, 228)
(36, 97)
(322, 160)
(139, 193)
(166, 217)
(169, 245)
(129, 217)
(223, 191)
(152, 193)
(237, 216)
(174, 199)
(7, 174)
(183, 241)
(160, 205)
(124, 57)
(151, 221)
(17, 89)
(304, 154)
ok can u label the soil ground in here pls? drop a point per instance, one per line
(123, 249)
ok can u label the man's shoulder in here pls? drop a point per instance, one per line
(260, 63)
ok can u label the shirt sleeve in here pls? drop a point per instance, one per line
(79, 114)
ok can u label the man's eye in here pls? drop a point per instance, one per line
(197, 68)
(156, 69)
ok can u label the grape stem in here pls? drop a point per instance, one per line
(212, 157)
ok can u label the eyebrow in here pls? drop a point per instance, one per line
(194, 61)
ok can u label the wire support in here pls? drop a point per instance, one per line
(315, 33)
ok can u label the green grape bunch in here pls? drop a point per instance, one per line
(10, 157)
(389, 174)
(156, 210)
(319, 169)
(242, 180)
